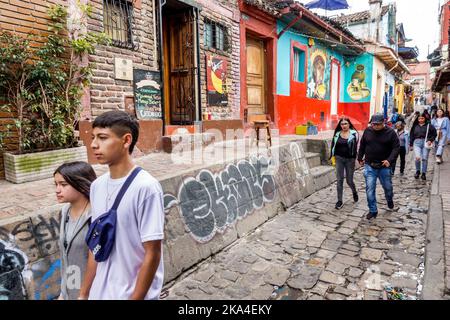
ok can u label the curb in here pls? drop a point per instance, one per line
(434, 278)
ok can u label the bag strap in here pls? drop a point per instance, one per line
(125, 186)
(426, 135)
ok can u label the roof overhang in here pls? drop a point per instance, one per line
(442, 77)
(313, 26)
(392, 61)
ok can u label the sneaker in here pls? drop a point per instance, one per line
(424, 177)
(371, 215)
(438, 159)
(402, 174)
(391, 206)
(339, 205)
(355, 197)
(417, 175)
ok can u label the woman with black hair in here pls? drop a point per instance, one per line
(422, 136)
(73, 182)
(344, 149)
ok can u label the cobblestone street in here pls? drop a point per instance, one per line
(313, 251)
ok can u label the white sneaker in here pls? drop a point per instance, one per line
(438, 159)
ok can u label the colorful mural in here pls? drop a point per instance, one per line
(318, 74)
(357, 88)
(358, 79)
(216, 71)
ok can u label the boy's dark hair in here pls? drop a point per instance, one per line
(79, 175)
(120, 123)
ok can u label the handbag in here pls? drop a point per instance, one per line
(426, 145)
(101, 234)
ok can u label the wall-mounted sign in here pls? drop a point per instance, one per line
(147, 94)
(123, 69)
(216, 74)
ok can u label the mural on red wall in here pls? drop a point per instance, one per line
(318, 74)
(216, 74)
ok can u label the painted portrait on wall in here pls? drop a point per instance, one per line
(318, 75)
(358, 89)
(216, 75)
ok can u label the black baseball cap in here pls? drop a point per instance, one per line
(377, 118)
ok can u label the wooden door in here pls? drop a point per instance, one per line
(256, 77)
(180, 68)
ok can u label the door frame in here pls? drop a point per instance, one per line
(259, 25)
(338, 64)
(165, 67)
(263, 70)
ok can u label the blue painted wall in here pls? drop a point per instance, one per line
(353, 89)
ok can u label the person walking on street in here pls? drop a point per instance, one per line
(378, 150)
(442, 125)
(423, 135)
(344, 149)
(73, 183)
(134, 269)
(403, 137)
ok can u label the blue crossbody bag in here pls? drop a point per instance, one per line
(102, 231)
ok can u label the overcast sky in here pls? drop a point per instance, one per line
(419, 18)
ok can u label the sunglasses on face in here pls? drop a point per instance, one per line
(344, 124)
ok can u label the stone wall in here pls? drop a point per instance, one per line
(232, 200)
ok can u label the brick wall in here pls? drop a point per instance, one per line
(226, 13)
(106, 92)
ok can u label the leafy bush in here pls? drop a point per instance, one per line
(44, 86)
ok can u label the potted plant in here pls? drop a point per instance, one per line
(42, 90)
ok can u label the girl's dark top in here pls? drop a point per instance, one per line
(342, 149)
(420, 132)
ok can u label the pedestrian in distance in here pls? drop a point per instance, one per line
(73, 181)
(421, 141)
(403, 137)
(378, 150)
(442, 126)
(134, 267)
(344, 149)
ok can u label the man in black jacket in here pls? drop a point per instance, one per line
(378, 149)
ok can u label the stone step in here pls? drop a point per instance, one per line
(323, 176)
(313, 159)
(186, 141)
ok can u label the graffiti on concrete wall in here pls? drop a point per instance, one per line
(12, 263)
(212, 202)
(300, 162)
(37, 238)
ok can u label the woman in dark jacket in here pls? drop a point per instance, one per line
(422, 136)
(344, 149)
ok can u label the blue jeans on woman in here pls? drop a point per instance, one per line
(371, 175)
(421, 153)
(440, 145)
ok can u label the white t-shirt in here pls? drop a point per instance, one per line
(140, 218)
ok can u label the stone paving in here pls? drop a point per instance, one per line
(313, 251)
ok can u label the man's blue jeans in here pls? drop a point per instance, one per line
(371, 176)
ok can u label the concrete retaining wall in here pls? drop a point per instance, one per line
(206, 210)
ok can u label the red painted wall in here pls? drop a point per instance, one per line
(262, 26)
(445, 23)
(359, 113)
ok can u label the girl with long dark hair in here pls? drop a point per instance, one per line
(73, 181)
(344, 149)
(422, 135)
(442, 126)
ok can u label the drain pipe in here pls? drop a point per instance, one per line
(161, 3)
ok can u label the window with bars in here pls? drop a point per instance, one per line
(118, 21)
(216, 36)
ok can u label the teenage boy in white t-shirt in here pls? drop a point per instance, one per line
(134, 269)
